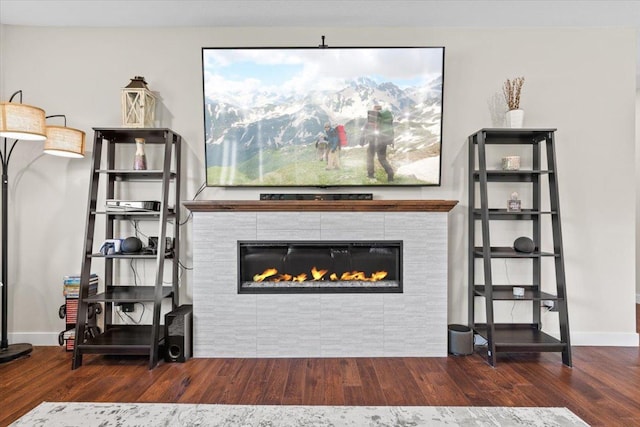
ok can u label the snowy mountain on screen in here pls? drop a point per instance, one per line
(235, 134)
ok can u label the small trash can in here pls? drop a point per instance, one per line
(460, 340)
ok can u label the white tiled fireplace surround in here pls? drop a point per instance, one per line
(228, 324)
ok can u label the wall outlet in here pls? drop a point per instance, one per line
(127, 307)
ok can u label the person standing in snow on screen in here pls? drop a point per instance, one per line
(332, 154)
(378, 133)
(322, 147)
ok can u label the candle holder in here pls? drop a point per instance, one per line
(514, 204)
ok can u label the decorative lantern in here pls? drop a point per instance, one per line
(138, 104)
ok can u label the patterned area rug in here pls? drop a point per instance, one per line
(53, 414)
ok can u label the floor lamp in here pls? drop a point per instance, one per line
(19, 121)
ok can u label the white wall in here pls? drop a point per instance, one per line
(580, 81)
(638, 193)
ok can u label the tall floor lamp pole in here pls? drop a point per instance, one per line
(13, 351)
(20, 121)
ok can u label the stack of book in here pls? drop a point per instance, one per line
(71, 292)
(69, 337)
(71, 285)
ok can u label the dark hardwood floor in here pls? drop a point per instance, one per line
(603, 387)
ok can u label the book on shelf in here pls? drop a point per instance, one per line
(69, 338)
(72, 311)
(74, 291)
(71, 285)
(75, 278)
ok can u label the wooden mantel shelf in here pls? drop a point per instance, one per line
(320, 205)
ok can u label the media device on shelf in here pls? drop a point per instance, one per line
(152, 248)
(110, 247)
(113, 205)
(331, 117)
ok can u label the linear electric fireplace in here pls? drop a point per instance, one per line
(319, 267)
(410, 323)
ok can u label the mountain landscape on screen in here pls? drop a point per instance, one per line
(264, 131)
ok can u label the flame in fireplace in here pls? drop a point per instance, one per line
(359, 275)
(316, 274)
(267, 273)
(378, 275)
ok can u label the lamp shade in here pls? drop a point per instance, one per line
(21, 121)
(64, 141)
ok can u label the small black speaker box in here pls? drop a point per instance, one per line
(178, 335)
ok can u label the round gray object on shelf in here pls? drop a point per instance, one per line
(131, 245)
(460, 340)
(524, 244)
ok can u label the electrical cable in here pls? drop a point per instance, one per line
(138, 233)
(200, 190)
(136, 229)
(506, 272)
(143, 310)
(184, 266)
(135, 272)
(121, 314)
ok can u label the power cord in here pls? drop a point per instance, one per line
(121, 313)
(136, 229)
(139, 233)
(135, 272)
(184, 266)
(506, 272)
(200, 190)
(195, 196)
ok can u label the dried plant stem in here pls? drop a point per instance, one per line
(511, 91)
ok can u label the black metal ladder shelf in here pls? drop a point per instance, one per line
(515, 337)
(117, 338)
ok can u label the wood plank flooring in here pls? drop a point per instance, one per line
(603, 387)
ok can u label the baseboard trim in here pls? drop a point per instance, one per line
(601, 339)
(597, 339)
(34, 338)
(605, 339)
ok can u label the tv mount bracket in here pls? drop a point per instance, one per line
(323, 46)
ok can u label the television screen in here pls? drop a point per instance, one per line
(323, 117)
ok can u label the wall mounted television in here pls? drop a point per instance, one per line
(266, 112)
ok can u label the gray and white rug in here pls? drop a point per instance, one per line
(54, 414)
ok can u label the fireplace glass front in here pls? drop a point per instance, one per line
(319, 266)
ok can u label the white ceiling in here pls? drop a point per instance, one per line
(324, 14)
(327, 13)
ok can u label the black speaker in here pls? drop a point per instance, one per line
(178, 335)
(524, 244)
(131, 245)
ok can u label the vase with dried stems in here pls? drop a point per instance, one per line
(512, 90)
